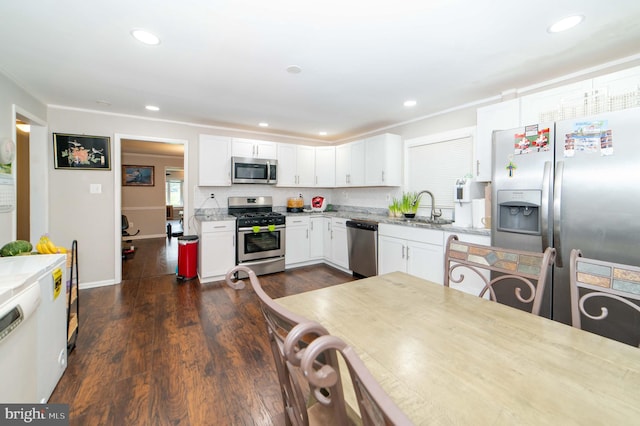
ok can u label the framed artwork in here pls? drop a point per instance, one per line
(81, 152)
(138, 176)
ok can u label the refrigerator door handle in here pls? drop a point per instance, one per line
(557, 211)
(546, 187)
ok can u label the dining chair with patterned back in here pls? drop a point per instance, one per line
(597, 286)
(518, 268)
(299, 405)
(375, 406)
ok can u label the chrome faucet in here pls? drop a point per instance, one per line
(434, 214)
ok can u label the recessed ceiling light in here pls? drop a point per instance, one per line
(565, 24)
(322, 133)
(294, 69)
(152, 108)
(263, 124)
(410, 103)
(145, 37)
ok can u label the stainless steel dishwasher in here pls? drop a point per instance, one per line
(362, 240)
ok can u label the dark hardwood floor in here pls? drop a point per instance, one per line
(156, 351)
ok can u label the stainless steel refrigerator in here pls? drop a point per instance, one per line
(570, 184)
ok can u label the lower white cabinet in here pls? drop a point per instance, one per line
(297, 240)
(415, 251)
(217, 249)
(339, 247)
(316, 238)
(327, 250)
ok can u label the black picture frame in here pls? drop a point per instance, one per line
(138, 175)
(81, 152)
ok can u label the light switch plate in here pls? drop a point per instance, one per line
(95, 188)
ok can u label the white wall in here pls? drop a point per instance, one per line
(92, 219)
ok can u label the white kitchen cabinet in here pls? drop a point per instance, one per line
(383, 160)
(472, 283)
(251, 148)
(339, 247)
(350, 164)
(412, 250)
(216, 250)
(316, 237)
(325, 166)
(297, 240)
(327, 249)
(500, 116)
(296, 165)
(214, 160)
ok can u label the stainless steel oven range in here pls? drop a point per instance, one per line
(261, 234)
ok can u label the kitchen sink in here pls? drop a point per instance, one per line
(437, 221)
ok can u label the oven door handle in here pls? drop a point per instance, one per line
(260, 228)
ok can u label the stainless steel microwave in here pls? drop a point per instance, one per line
(254, 170)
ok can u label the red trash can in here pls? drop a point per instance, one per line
(187, 257)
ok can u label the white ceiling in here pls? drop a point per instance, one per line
(223, 62)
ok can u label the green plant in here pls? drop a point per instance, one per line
(410, 202)
(395, 208)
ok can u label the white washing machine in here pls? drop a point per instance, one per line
(49, 274)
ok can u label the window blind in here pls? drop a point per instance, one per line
(436, 166)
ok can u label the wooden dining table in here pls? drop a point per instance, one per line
(448, 357)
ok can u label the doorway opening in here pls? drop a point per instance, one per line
(146, 205)
(23, 180)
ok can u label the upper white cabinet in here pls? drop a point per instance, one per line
(383, 160)
(325, 166)
(250, 148)
(214, 160)
(500, 116)
(350, 164)
(296, 165)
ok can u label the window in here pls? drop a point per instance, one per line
(435, 162)
(174, 192)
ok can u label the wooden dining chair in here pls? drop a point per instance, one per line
(375, 406)
(597, 286)
(520, 269)
(299, 406)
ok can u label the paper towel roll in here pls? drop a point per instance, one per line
(478, 209)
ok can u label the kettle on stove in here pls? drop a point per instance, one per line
(318, 204)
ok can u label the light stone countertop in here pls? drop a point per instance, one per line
(366, 216)
(395, 221)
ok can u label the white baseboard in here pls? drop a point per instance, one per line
(94, 284)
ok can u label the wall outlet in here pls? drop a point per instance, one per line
(212, 195)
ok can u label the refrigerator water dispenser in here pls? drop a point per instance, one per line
(519, 211)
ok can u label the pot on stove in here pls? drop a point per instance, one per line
(295, 204)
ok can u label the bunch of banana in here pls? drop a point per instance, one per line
(46, 246)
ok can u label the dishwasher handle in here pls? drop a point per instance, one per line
(363, 225)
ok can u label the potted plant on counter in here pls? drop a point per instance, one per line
(409, 204)
(395, 208)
